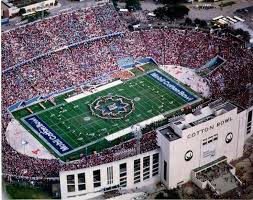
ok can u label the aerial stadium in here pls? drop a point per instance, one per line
(106, 112)
(94, 107)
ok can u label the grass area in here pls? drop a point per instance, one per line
(229, 3)
(136, 71)
(26, 192)
(168, 194)
(146, 67)
(74, 123)
(77, 122)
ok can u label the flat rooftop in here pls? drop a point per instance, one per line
(23, 3)
(203, 114)
(169, 133)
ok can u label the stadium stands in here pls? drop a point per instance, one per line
(55, 32)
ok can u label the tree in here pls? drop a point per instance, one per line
(115, 3)
(177, 11)
(188, 21)
(171, 11)
(197, 21)
(22, 11)
(245, 34)
(133, 5)
(160, 12)
(168, 194)
(203, 23)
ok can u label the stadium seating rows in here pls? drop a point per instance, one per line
(55, 32)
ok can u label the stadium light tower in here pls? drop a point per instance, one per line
(138, 135)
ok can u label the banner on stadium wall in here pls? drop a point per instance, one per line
(47, 134)
(5, 21)
(177, 89)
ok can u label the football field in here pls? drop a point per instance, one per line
(69, 127)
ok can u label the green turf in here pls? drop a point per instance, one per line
(146, 67)
(72, 125)
(26, 192)
(68, 119)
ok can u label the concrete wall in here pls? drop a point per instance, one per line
(103, 171)
(33, 7)
(41, 5)
(179, 170)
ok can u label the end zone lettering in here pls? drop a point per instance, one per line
(172, 86)
(48, 134)
(204, 130)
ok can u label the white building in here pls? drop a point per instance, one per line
(132, 172)
(30, 7)
(187, 144)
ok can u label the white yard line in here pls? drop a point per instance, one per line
(129, 129)
(98, 89)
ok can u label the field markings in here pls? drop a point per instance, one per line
(62, 135)
(149, 105)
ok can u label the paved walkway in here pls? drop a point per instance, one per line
(211, 13)
(225, 183)
(23, 142)
(188, 77)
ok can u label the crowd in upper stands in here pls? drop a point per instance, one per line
(77, 64)
(34, 39)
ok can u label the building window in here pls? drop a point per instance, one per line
(146, 167)
(165, 170)
(123, 174)
(248, 130)
(81, 182)
(250, 116)
(215, 137)
(71, 188)
(155, 169)
(109, 175)
(96, 178)
(210, 139)
(137, 171)
(71, 183)
(70, 179)
(249, 122)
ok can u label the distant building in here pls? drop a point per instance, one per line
(11, 8)
(100, 2)
(4, 10)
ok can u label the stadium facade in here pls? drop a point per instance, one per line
(186, 145)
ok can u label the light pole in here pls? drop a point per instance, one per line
(138, 135)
